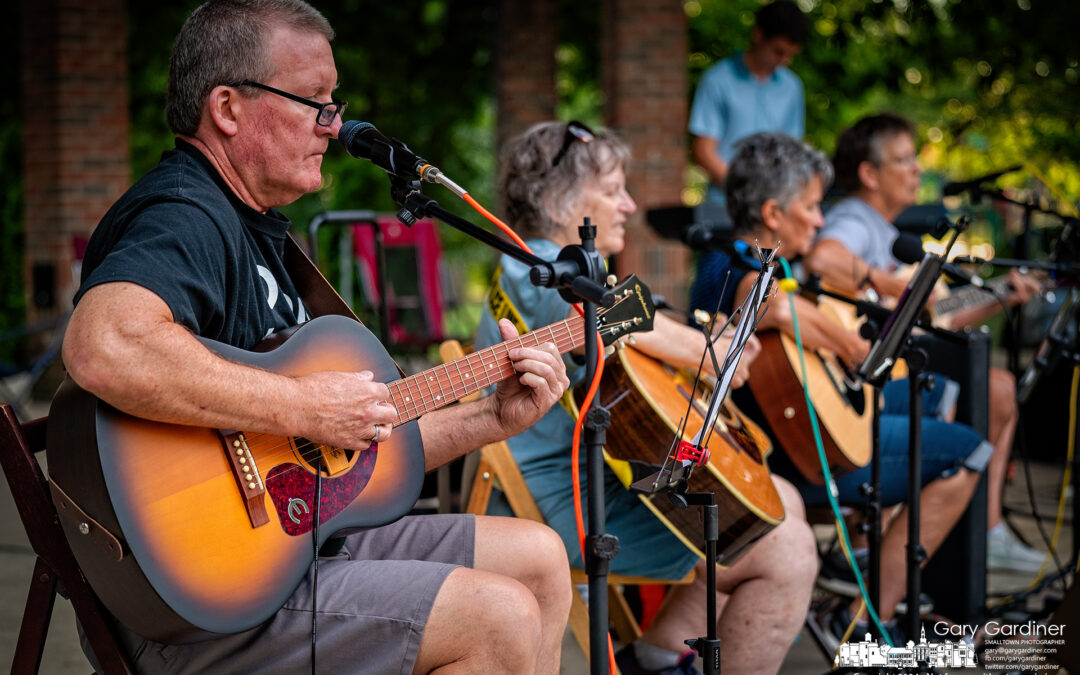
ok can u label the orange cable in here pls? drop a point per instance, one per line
(575, 448)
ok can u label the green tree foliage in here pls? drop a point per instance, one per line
(12, 299)
(990, 84)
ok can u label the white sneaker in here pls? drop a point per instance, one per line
(1005, 552)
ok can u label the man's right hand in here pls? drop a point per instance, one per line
(342, 409)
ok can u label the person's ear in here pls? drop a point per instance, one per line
(772, 214)
(869, 177)
(223, 106)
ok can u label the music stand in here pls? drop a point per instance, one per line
(683, 456)
(894, 342)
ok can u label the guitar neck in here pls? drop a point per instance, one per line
(436, 387)
(970, 296)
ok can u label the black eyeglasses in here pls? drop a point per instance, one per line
(327, 111)
(575, 131)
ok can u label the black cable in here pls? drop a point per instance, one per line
(315, 549)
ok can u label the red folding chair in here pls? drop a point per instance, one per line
(409, 281)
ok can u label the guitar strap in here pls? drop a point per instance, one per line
(318, 295)
(316, 292)
(502, 307)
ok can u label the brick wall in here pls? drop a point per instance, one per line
(75, 127)
(525, 75)
(645, 86)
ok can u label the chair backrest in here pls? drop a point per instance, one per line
(56, 570)
(413, 277)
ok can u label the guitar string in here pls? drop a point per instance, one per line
(488, 376)
(288, 446)
(417, 410)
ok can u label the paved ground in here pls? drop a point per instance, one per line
(63, 656)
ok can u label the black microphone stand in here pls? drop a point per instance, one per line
(577, 273)
(892, 342)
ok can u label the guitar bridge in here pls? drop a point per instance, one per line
(247, 476)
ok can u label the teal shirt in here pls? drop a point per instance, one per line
(731, 104)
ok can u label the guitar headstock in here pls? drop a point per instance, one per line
(632, 312)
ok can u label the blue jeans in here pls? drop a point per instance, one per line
(946, 447)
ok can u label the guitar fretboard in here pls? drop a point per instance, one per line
(431, 389)
(970, 296)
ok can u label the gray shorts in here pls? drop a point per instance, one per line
(374, 599)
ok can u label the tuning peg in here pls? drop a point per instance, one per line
(611, 280)
(701, 317)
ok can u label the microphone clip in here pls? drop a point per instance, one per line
(943, 225)
(405, 192)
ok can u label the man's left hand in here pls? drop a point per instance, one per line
(519, 402)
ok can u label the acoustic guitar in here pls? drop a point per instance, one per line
(844, 405)
(652, 399)
(185, 531)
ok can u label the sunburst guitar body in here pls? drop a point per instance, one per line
(652, 399)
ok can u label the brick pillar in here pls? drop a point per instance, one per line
(75, 127)
(525, 74)
(645, 86)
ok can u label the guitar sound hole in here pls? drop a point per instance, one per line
(845, 382)
(857, 400)
(308, 451)
(312, 453)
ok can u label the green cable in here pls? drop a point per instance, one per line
(832, 491)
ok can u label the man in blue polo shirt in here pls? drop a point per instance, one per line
(749, 92)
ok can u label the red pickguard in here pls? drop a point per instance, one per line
(292, 489)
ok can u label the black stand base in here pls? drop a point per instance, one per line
(707, 647)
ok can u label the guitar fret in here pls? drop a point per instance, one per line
(461, 378)
(486, 358)
(430, 393)
(415, 409)
(395, 398)
(440, 400)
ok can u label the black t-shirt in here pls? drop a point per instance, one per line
(182, 233)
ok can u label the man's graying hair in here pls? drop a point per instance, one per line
(539, 198)
(770, 165)
(225, 41)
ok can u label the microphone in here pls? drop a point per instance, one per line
(908, 249)
(961, 187)
(363, 141)
(705, 237)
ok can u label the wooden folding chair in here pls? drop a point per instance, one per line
(496, 466)
(56, 571)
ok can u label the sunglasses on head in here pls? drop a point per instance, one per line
(575, 131)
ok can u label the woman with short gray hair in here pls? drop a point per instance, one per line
(774, 189)
(771, 165)
(553, 176)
